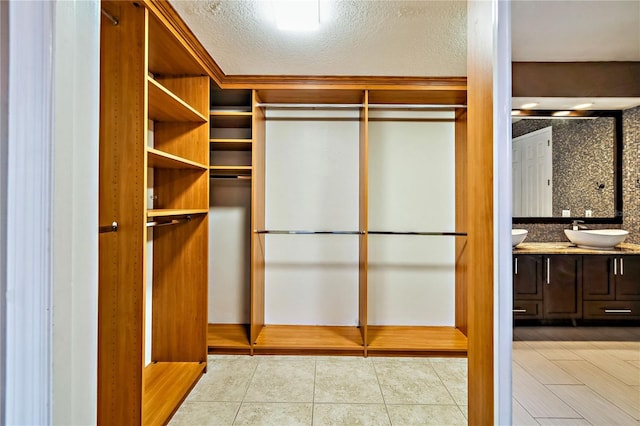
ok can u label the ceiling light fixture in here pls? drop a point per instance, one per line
(561, 113)
(297, 15)
(582, 106)
(529, 105)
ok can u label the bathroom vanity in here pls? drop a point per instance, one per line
(559, 281)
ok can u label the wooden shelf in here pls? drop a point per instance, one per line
(175, 212)
(166, 384)
(230, 119)
(231, 170)
(228, 336)
(166, 106)
(162, 160)
(167, 55)
(300, 338)
(231, 144)
(394, 339)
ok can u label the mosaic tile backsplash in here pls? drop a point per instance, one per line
(539, 232)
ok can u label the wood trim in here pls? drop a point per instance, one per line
(480, 211)
(122, 198)
(258, 155)
(363, 262)
(576, 79)
(461, 252)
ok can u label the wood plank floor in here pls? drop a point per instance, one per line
(576, 376)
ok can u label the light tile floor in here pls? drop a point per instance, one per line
(555, 382)
(282, 390)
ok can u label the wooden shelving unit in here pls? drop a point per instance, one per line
(364, 339)
(149, 75)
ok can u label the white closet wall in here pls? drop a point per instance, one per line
(229, 255)
(312, 184)
(411, 189)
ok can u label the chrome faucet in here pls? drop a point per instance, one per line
(575, 225)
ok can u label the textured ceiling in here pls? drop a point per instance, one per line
(356, 37)
(405, 38)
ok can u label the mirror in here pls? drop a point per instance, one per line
(567, 167)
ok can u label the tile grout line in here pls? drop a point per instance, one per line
(448, 391)
(384, 401)
(245, 391)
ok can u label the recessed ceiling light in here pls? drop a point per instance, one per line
(297, 15)
(561, 113)
(582, 106)
(529, 105)
(515, 112)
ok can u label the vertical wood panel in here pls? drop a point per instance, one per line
(257, 219)
(122, 191)
(480, 213)
(363, 293)
(179, 324)
(461, 221)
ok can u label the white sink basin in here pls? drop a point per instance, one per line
(518, 236)
(598, 239)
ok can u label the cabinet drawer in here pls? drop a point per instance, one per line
(611, 309)
(527, 309)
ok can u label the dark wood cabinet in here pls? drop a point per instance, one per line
(562, 287)
(611, 287)
(628, 278)
(527, 286)
(574, 287)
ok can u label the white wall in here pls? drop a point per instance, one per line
(4, 115)
(76, 56)
(52, 246)
(411, 188)
(311, 184)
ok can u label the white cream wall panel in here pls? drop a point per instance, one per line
(311, 184)
(411, 188)
(229, 254)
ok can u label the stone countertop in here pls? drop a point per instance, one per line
(570, 248)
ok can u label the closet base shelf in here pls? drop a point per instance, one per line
(228, 339)
(166, 385)
(302, 339)
(414, 340)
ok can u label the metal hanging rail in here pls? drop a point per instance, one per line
(109, 228)
(353, 106)
(156, 224)
(110, 17)
(308, 106)
(301, 232)
(230, 177)
(435, 234)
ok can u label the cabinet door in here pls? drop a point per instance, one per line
(562, 288)
(598, 279)
(628, 278)
(527, 277)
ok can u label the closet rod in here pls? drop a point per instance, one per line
(228, 177)
(281, 232)
(110, 17)
(352, 106)
(439, 234)
(303, 106)
(415, 106)
(156, 224)
(109, 228)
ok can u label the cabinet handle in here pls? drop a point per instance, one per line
(615, 266)
(621, 266)
(519, 311)
(548, 273)
(617, 311)
(516, 266)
